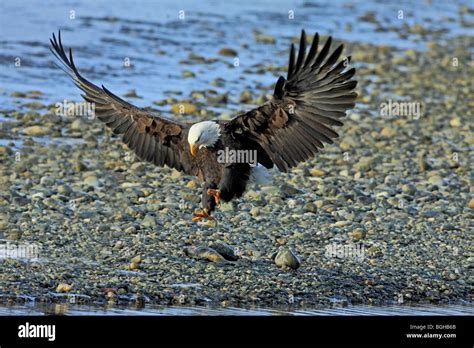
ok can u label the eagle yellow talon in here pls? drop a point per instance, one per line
(201, 214)
(214, 193)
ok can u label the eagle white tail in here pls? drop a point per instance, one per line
(259, 175)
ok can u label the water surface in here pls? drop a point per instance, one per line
(66, 309)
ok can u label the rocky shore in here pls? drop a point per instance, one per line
(382, 216)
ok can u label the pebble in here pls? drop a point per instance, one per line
(471, 203)
(225, 51)
(192, 184)
(77, 125)
(317, 172)
(364, 164)
(289, 190)
(255, 211)
(245, 97)
(176, 174)
(36, 130)
(148, 221)
(133, 266)
(264, 38)
(226, 207)
(409, 189)
(136, 259)
(310, 207)
(430, 213)
(286, 258)
(131, 94)
(64, 190)
(131, 230)
(187, 73)
(204, 253)
(79, 166)
(348, 143)
(356, 234)
(276, 200)
(388, 132)
(436, 180)
(46, 181)
(455, 122)
(341, 223)
(422, 163)
(92, 181)
(183, 108)
(5, 150)
(225, 250)
(137, 166)
(63, 287)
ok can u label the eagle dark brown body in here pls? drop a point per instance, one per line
(287, 130)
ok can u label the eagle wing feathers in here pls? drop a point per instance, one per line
(152, 138)
(295, 124)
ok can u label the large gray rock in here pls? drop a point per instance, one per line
(286, 258)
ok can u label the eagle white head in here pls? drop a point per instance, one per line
(203, 134)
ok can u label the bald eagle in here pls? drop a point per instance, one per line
(286, 130)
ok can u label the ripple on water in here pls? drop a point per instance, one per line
(68, 309)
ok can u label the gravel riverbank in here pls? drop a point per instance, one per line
(382, 216)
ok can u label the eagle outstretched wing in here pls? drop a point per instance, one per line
(152, 138)
(291, 127)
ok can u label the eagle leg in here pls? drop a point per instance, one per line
(202, 214)
(214, 193)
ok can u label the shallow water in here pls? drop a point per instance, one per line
(66, 309)
(154, 38)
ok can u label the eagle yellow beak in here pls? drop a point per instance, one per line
(193, 148)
